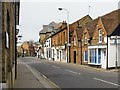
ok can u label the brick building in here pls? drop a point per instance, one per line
(76, 30)
(58, 43)
(10, 18)
(105, 42)
(46, 32)
(28, 49)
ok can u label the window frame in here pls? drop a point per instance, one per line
(100, 35)
(74, 41)
(85, 39)
(85, 60)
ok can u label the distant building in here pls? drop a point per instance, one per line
(46, 32)
(28, 49)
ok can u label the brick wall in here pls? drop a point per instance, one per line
(95, 39)
(8, 43)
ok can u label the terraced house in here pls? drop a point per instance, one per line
(76, 30)
(86, 38)
(10, 18)
(97, 42)
(58, 43)
(103, 50)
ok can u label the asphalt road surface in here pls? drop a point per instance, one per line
(66, 75)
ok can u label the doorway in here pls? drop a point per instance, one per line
(74, 56)
(60, 56)
(104, 58)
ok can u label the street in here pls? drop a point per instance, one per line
(66, 75)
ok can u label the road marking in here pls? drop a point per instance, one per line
(51, 82)
(106, 81)
(44, 76)
(72, 71)
(55, 66)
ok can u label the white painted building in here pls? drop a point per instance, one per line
(107, 55)
(61, 54)
(47, 49)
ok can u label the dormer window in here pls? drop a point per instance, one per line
(86, 40)
(100, 35)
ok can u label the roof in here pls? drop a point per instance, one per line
(79, 32)
(44, 30)
(61, 27)
(110, 21)
(91, 26)
(48, 28)
(80, 22)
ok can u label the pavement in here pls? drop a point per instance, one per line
(28, 77)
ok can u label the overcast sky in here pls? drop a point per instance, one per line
(36, 13)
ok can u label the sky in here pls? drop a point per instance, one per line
(36, 13)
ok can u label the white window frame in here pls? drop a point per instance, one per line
(7, 39)
(100, 35)
(86, 41)
(74, 41)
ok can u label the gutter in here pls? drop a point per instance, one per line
(80, 50)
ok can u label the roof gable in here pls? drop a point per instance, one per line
(110, 21)
(80, 23)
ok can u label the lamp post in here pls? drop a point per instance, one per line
(68, 44)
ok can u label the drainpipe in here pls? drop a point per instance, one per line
(107, 54)
(15, 47)
(81, 50)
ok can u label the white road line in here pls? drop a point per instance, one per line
(72, 71)
(44, 76)
(55, 66)
(106, 81)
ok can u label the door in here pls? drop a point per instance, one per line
(74, 56)
(53, 54)
(99, 56)
(60, 56)
(104, 58)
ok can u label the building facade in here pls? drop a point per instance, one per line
(10, 18)
(58, 43)
(102, 50)
(76, 32)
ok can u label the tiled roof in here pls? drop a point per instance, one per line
(110, 21)
(79, 32)
(91, 26)
(80, 23)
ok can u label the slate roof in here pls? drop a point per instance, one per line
(46, 28)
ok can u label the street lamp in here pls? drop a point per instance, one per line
(68, 44)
